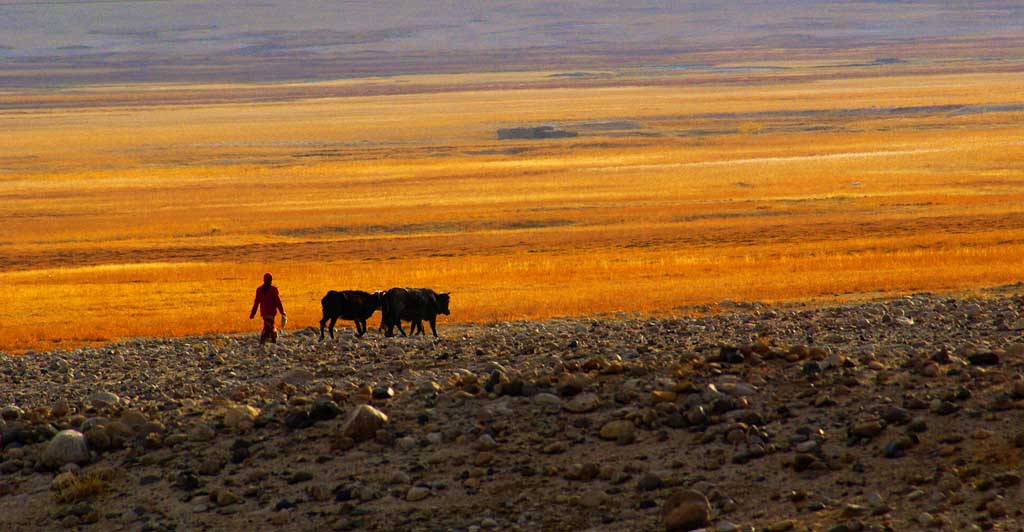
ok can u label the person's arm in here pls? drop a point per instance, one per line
(277, 301)
(255, 305)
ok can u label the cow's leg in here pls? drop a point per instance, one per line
(331, 327)
(401, 331)
(360, 327)
(433, 326)
(323, 323)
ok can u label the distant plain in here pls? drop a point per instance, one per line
(152, 209)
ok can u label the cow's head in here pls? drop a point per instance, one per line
(442, 304)
(377, 298)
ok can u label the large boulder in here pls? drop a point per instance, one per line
(362, 424)
(68, 446)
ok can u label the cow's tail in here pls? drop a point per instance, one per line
(385, 310)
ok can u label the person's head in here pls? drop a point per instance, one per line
(267, 278)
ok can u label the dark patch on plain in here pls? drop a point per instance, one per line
(579, 75)
(534, 133)
(609, 125)
(507, 151)
(734, 215)
(419, 228)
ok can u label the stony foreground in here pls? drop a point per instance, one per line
(901, 414)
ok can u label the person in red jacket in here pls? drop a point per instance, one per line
(268, 300)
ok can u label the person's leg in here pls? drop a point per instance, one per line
(268, 331)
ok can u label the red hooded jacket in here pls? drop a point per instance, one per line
(268, 300)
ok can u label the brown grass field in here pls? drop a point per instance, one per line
(144, 210)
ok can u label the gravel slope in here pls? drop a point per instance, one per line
(900, 414)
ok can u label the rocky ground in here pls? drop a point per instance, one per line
(901, 414)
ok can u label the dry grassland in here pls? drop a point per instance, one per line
(157, 217)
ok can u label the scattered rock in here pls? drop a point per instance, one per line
(649, 482)
(201, 432)
(547, 399)
(11, 413)
(782, 526)
(299, 477)
(417, 493)
(868, 429)
(67, 447)
(363, 422)
(241, 418)
(618, 430)
(297, 377)
(298, 419)
(383, 392)
(325, 409)
(686, 510)
(987, 358)
(224, 497)
(103, 398)
(919, 413)
(134, 419)
(582, 403)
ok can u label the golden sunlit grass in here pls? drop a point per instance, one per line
(159, 218)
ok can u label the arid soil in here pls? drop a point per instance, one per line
(897, 414)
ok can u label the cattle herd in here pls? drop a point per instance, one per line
(397, 304)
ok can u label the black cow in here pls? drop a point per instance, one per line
(413, 305)
(353, 305)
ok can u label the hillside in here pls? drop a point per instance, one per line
(69, 43)
(898, 414)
